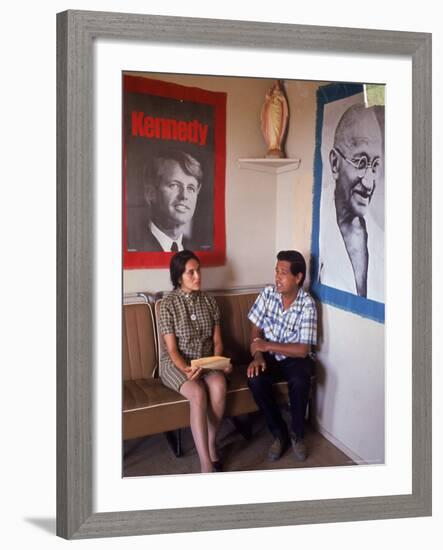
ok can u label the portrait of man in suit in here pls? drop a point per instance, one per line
(174, 154)
(172, 183)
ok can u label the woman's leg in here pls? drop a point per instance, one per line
(195, 392)
(216, 384)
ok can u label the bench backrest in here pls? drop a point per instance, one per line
(235, 325)
(234, 310)
(142, 340)
(139, 342)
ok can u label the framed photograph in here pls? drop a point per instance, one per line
(166, 123)
(344, 194)
(93, 500)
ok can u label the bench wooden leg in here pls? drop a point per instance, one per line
(175, 442)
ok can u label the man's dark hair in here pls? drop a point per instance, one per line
(178, 265)
(154, 169)
(298, 264)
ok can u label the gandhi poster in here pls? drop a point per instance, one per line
(348, 226)
(174, 169)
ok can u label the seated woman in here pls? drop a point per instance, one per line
(190, 325)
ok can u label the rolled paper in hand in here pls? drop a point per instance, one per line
(216, 362)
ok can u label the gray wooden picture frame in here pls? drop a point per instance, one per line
(76, 32)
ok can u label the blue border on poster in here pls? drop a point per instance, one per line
(338, 298)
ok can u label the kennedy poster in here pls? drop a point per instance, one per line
(174, 151)
(348, 220)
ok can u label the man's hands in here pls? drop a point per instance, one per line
(256, 366)
(258, 344)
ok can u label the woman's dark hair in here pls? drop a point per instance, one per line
(298, 264)
(178, 265)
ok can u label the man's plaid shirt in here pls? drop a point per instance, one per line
(296, 325)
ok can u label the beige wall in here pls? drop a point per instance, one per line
(300, 143)
(265, 213)
(351, 378)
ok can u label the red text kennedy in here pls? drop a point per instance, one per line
(168, 128)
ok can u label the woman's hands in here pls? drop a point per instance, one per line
(218, 346)
(192, 373)
(228, 369)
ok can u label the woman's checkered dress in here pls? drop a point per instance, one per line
(192, 318)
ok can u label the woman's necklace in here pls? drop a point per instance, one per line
(191, 307)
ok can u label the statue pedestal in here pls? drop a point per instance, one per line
(274, 166)
(275, 154)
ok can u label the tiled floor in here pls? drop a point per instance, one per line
(153, 456)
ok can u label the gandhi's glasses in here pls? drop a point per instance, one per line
(361, 164)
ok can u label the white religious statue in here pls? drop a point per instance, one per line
(274, 120)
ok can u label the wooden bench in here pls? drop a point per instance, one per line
(149, 407)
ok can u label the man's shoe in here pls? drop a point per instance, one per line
(217, 465)
(299, 448)
(277, 448)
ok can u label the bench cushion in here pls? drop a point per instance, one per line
(150, 408)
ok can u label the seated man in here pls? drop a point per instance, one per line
(284, 327)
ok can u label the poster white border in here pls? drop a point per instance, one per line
(111, 491)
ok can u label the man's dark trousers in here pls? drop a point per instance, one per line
(297, 372)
